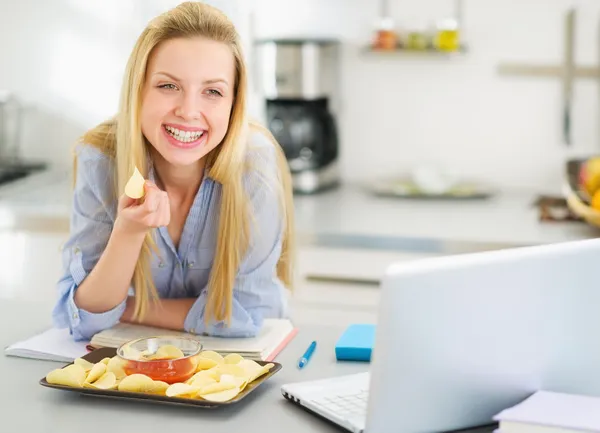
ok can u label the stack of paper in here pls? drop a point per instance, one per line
(552, 412)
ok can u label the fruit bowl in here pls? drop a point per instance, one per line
(582, 189)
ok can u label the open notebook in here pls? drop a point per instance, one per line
(58, 345)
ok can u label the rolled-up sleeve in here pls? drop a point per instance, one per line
(258, 292)
(91, 225)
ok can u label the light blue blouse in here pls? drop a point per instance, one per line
(180, 272)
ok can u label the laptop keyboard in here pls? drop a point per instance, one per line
(345, 404)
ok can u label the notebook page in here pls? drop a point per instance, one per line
(557, 410)
(53, 344)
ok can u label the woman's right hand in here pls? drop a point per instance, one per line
(140, 215)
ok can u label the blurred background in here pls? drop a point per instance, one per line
(63, 59)
(412, 128)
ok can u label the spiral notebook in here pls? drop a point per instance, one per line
(58, 345)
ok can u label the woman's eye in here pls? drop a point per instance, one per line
(167, 86)
(214, 92)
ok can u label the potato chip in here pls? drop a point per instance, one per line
(135, 185)
(136, 383)
(60, 376)
(205, 363)
(216, 387)
(231, 369)
(202, 380)
(209, 354)
(181, 390)
(233, 358)
(87, 365)
(106, 381)
(96, 372)
(77, 372)
(159, 387)
(221, 396)
(168, 352)
(262, 369)
(115, 365)
(239, 382)
(131, 353)
(252, 369)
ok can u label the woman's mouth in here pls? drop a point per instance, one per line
(182, 138)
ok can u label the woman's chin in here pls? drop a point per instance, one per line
(180, 159)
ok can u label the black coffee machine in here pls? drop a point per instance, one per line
(298, 80)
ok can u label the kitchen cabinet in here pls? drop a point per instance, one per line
(340, 286)
(356, 265)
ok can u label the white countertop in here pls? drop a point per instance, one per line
(351, 214)
(507, 218)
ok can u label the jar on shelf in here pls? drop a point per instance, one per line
(447, 37)
(418, 39)
(385, 37)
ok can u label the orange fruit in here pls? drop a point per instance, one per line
(596, 200)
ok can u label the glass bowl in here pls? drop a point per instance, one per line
(168, 359)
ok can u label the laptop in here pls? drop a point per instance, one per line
(460, 338)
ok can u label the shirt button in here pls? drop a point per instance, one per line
(191, 264)
(75, 316)
(161, 264)
(77, 250)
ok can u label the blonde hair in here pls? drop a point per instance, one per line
(121, 138)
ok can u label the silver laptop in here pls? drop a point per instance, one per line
(459, 338)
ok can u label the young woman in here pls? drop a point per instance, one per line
(207, 249)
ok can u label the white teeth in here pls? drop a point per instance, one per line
(184, 136)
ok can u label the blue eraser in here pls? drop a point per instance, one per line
(356, 343)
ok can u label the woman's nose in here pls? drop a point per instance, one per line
(189, 107)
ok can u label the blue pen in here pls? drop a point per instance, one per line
(304, 360)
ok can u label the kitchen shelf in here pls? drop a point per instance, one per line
(403, 52)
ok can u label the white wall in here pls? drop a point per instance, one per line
(460, 113)
(66, 58)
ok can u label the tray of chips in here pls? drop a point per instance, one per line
(217, 381)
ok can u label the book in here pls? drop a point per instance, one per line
(58, 345)
(551, 412)
(274, 335)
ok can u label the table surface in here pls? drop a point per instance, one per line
(28, 406)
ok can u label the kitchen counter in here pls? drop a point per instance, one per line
(352, 216)
(349, 216)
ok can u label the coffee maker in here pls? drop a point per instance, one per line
(298, 79)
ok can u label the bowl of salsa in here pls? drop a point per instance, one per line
(168, 359)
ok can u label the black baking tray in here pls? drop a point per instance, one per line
(99, 354)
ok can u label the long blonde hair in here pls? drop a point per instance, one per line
(121, 138)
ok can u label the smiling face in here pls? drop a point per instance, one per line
(187, 98)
